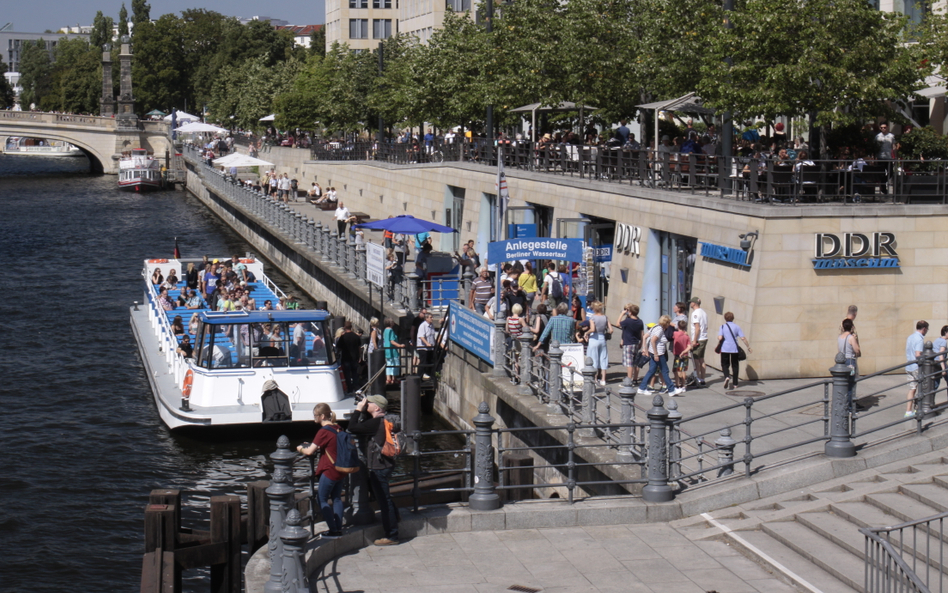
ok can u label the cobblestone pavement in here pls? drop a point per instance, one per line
(626, 559)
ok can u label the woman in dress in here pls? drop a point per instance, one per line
(849, 346)
(373, 335)
(599, 328)
(727, 339)
(393, 360)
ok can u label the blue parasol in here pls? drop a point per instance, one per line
(408, 225)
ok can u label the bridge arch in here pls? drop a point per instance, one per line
(98, 162)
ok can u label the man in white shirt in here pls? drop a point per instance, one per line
(342, 218)
(425, 346)
(699, 340)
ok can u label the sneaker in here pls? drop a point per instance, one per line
(386, 542)
(425, 377)
(330, 535)
(909, 414)
(702, 384)
(602, 383)
(734, 385)
(727, 382)
(642, 392)
(676, 392)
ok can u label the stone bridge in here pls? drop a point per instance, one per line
(102, 139)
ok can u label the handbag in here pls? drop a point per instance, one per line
(741, 355)
(640, 360)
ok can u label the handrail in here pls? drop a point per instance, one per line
(881, 554)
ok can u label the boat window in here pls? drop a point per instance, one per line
(243, 345)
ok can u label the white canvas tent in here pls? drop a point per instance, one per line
(182, 117)
(196, 126)
(235, 159)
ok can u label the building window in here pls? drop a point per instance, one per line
(381, 3)
(358, 28)
(381, 28)
(459, 5)
(358, 3)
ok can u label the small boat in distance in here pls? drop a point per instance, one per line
(39, 146)
(247, 367)
(139, 171)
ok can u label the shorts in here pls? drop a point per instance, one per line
(698, 350)
(628, 354)
(681, 364)
(914, 378)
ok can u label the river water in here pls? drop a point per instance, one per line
(82, 445)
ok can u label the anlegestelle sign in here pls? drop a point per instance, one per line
(855, 251)
(535, 248)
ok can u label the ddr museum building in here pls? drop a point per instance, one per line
(788, 272)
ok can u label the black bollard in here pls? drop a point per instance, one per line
(377, 370)
(411, 404)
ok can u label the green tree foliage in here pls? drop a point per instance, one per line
(7, 96)
(841, 59)
(123, 22)
(141, 13)
(35, 73)
(101, 30)
(159, 68)
(317, 42)
(76, 78)
(396, 94)
(246, 91)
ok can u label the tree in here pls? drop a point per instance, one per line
(853, 65)
(141, 13)
(123, 22)
(76, 78)
(35, 73)
(395, 94)
(101, 31)
(159, 69)
(317, 41)
(246, 91)
(7, 96)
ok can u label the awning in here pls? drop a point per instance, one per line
(690, 103)
(565, 106)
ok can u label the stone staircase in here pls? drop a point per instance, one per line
(811, 537)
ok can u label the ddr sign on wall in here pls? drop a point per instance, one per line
(855, 250)
(471, 331)
(535, 248)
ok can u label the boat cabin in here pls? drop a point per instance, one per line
(254, 339)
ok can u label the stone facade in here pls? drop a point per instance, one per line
(790, 311)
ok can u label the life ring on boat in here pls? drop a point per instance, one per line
(188, 380)
(157, 261)
(246, 260)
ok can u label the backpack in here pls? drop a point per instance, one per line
(556, 287)
(347, 458)
(392, 447)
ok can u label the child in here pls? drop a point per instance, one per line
(681, 349)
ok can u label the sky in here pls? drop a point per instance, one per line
(37, 16)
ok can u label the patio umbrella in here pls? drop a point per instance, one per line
(406, 224)
(201, 127)
(182, 117)
(156, 113)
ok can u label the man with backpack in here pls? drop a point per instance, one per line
(369, 421)
(552, 286)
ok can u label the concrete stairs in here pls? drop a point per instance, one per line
(811, 538)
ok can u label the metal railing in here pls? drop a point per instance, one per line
(906, 557)
(405, 291)
(762, 179)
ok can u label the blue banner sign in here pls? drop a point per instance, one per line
(471, 331)
(521, 231)
(731, 255)
(536, 248)
(602, 254)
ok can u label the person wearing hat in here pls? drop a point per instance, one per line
(368, 426)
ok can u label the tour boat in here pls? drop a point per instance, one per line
(39, 146)
(257, 367)
(139, 171)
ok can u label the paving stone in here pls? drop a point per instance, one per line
(687, 557)
(719, 579)
(654, 571)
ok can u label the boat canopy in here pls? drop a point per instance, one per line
(232, 317)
